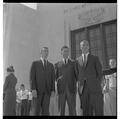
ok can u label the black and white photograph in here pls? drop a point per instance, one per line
(59, 59)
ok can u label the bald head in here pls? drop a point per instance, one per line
(84, 46)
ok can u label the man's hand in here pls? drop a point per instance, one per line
(52, 94)
(34, 93)
(80, 87)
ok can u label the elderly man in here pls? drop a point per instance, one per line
(90, 75)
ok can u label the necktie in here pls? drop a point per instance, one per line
(65, 61)
(85, 60)
(45, 63)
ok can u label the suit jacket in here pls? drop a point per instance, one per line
(91, 73)
(42, 79)
(69, 76)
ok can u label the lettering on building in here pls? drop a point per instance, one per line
(92, 16)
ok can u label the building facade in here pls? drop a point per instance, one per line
(26, 30)
(97, 23)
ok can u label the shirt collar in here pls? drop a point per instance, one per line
(42, 59)
(85, 54)
(66, 60)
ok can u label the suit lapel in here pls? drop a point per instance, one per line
(80, 61)
(69, 61)
(88, 58)
(62, 62)
(41, 64)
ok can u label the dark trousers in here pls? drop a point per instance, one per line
(42, 104)
(70, 98)
(96, 105)
(24, 107)
(91, 103)
(29, 107)
(85, 96)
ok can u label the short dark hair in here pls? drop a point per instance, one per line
(45, 47)
(64, 47)
(22, 85)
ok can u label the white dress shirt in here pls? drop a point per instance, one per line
(43, 60)
(66, 60)
(86, 56)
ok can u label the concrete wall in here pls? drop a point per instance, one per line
(28, 30)
(21, 44)
(90, 14)
(51, 32)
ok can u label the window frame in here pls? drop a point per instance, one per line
(103, 39)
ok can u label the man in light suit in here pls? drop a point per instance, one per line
(66, 82)
(90, 76)
(42, 81)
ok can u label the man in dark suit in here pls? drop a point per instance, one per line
(42, 82)
(90, 76)
(66, 82)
